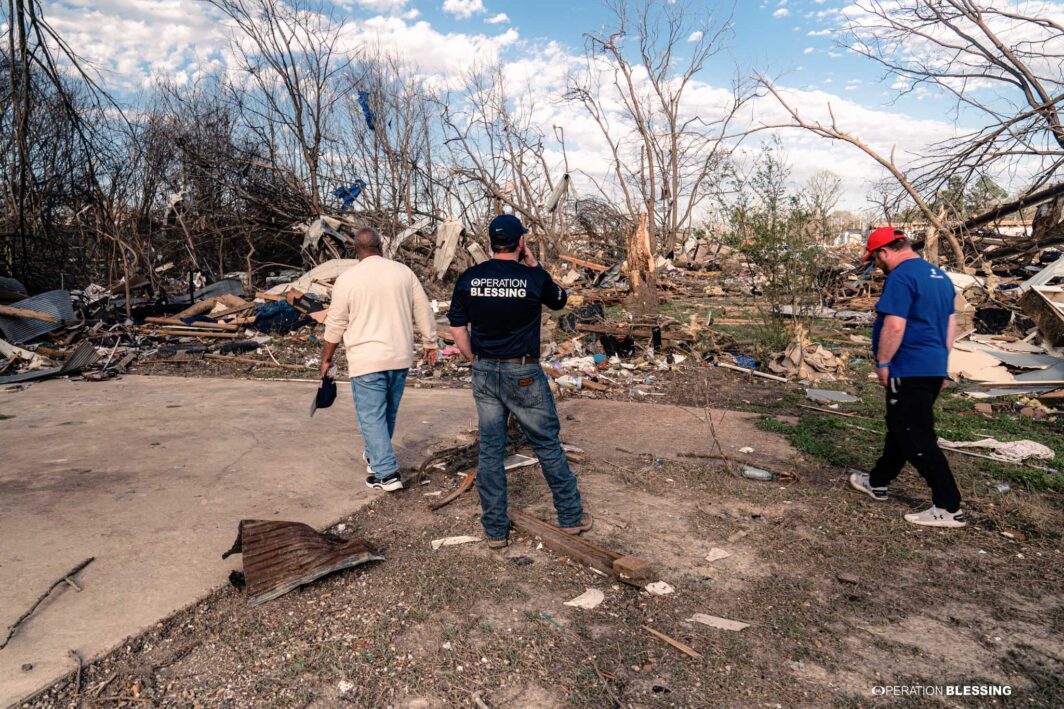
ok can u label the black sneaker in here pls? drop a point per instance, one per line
(389, 483)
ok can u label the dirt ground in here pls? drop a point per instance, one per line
(840, 593)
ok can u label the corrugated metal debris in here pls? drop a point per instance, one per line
(54, 302)
(281, 556)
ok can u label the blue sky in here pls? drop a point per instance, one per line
(136, 42)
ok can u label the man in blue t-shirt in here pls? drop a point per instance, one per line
(911, 340)
(495, 320)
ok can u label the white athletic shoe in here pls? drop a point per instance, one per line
(859, 482)
(936, 517)
(365, 459)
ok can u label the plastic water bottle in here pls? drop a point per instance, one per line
(753, 473)
(569, 381)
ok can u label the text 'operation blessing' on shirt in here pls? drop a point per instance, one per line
(498, 287)
(501, 301)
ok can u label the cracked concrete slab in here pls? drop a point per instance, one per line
(151, 475)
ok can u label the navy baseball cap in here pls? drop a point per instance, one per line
(325, 396)
(506, 230)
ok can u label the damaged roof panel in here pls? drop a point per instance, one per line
(281, 556)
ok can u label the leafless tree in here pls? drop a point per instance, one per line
(1002, 63)
(498, 154)
(664, 151)
(290, 53)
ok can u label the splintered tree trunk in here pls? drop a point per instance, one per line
(640, 261)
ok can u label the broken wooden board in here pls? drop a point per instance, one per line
(630, 570)
(467, 483)
(281, 556)
(25, 313)
(1043, 305)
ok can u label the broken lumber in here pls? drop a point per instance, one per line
(584, 264)
(628, 331)
(177, 322)
(192, 332)
(1042, 304)
(249, 360)
(682, 647)
(234, 310)
(630, 570)
(30, 314)
(756, 373)
(467, 482)
(13, 628)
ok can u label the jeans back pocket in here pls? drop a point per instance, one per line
(524, 389)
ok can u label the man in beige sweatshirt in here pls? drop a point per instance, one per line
(373, 305)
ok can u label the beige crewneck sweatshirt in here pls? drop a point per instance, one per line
(373, 304)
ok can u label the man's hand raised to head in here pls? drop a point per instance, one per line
(525, 256)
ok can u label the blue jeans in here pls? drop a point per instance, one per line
(377, 397)
(502, 389)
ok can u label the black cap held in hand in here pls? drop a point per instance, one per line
(325, 395)
(506, 230)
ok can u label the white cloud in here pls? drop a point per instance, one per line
(381, 5)
(808, 50)
(694, 36)
(782, 12)
(463, 9)
(411, 14)
(499, 19)
(820, 33)
(131, 41)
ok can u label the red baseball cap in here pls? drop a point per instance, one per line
(881, 237)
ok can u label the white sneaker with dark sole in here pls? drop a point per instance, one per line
(937, 517)
(390, 483)
(859, 482)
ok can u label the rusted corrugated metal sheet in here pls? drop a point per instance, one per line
(281, 556)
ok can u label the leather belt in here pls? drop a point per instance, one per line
(524, 359)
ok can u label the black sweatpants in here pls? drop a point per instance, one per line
(911, 437)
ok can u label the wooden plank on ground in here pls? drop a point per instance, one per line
(29, 314)
(174, 332)
(682, 647)
(583, 551)
(176, 322)
(250, 360)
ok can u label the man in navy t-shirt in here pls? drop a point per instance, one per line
(495, 319)
(911, 340)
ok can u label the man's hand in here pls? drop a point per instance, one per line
(883, 375)
(326, 365)
(431, 354)
(527, 258)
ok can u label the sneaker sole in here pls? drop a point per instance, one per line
(942, 524)
(865, 490)
(387, 487)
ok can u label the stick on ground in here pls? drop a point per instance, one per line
(40, 599)
(685, 649)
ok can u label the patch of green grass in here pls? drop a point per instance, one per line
(841, 441)
(827, 439)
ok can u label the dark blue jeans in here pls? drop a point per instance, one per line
(502, 389)
(377, 397)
